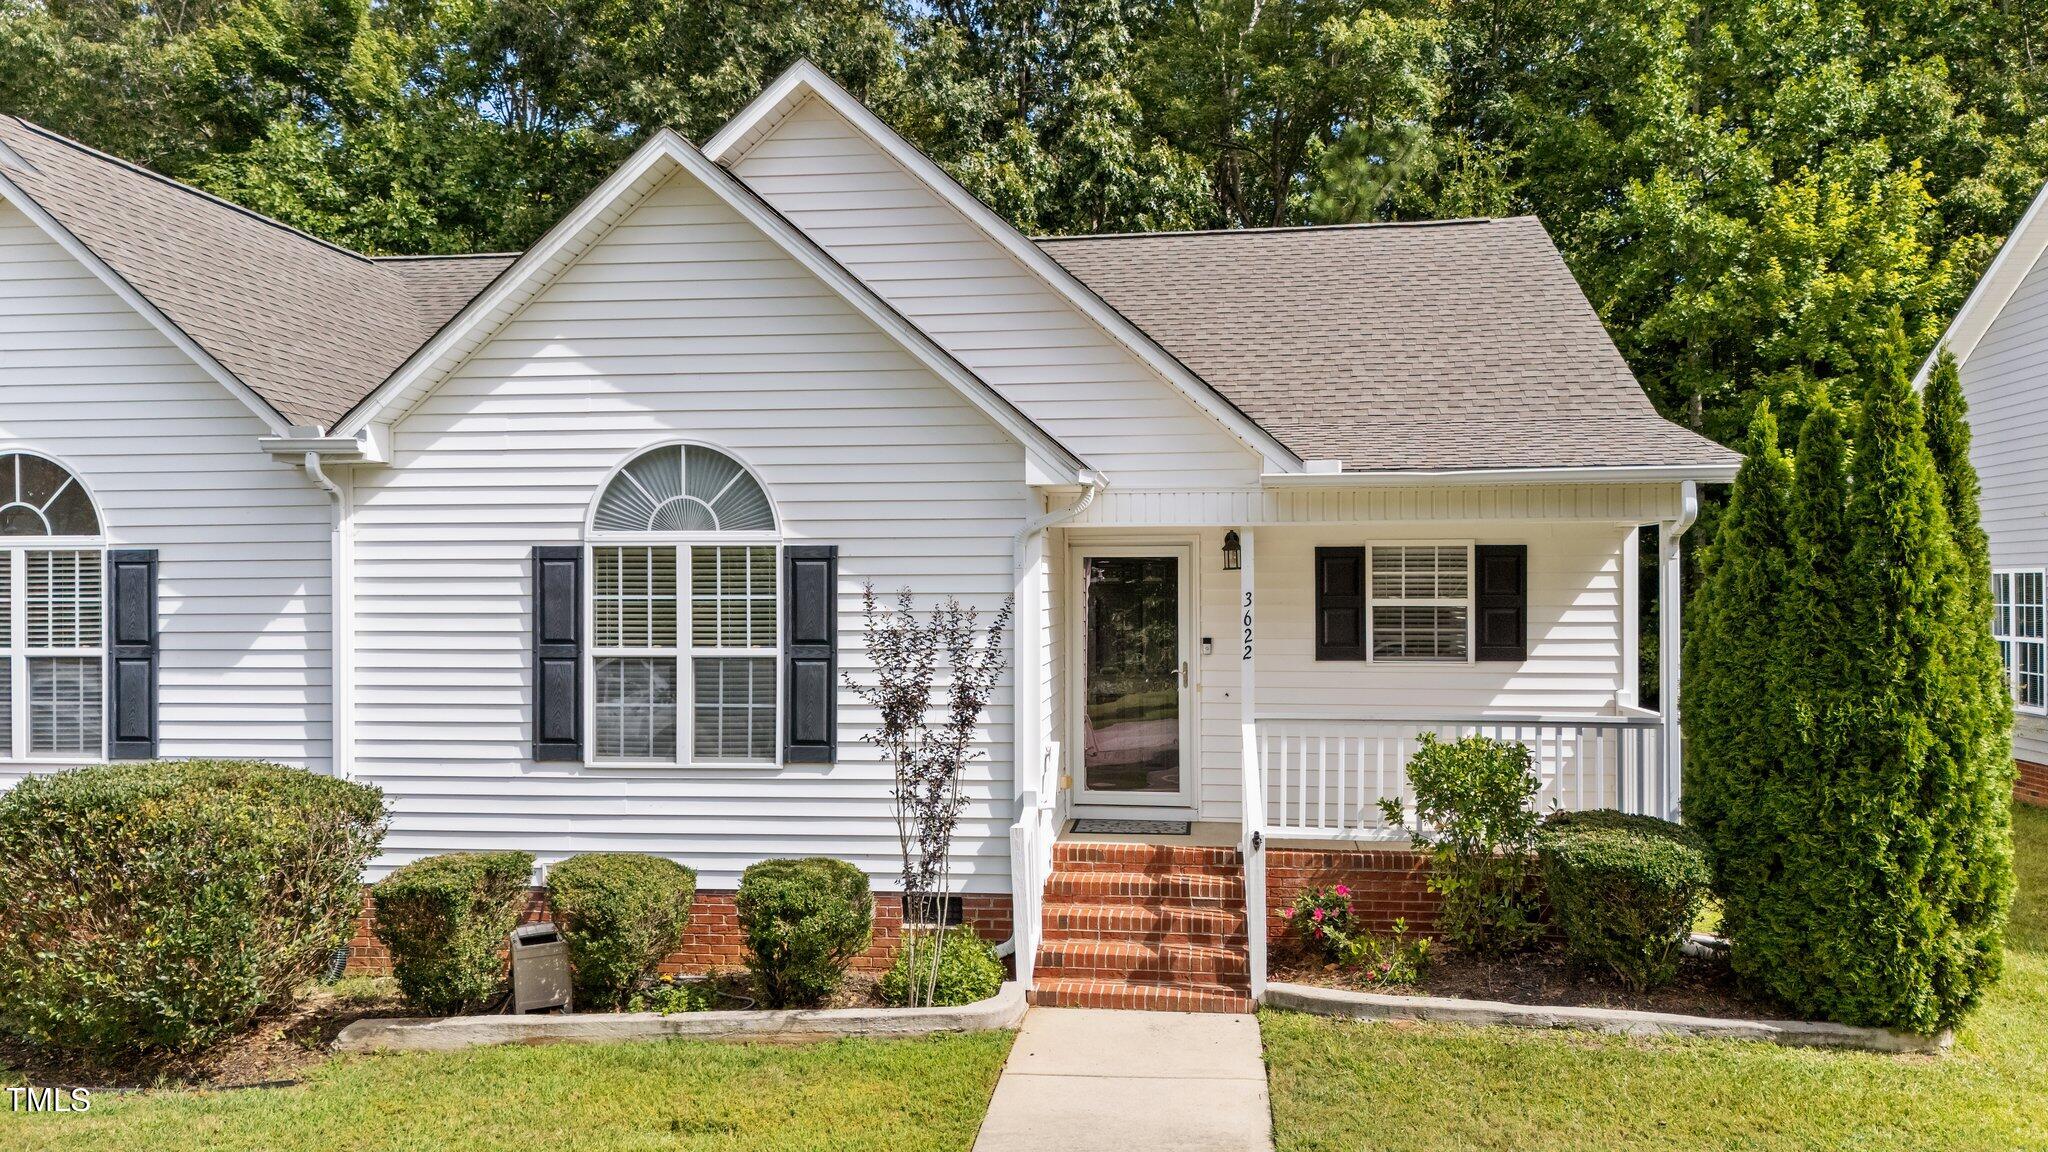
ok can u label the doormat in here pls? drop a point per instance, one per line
(1134, 827)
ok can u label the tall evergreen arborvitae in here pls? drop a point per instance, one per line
(1735, 639)
(1913, 866)
(1814, 669)
(1979, 730)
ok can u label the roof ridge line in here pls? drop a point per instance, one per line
(1359, 226)
(181, 186)
(444, 256)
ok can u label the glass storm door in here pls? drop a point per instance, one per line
(1134, 678)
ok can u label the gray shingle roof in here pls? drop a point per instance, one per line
(1446, 345)
(308, 326)
(1452, 345)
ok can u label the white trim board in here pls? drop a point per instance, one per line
(804, 80)
(1047, 461)
(18, 197)
(2016, 257)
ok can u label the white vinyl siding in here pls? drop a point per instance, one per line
(2005, 381)
(681, 323)
(170, 458)
(997, 317)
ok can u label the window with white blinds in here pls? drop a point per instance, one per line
(1419, 602)
(52, 610)
(2019, 622)
(666, 663)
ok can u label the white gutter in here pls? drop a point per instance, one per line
(1646, 473)
(340, 602)
(1671, 638)
(1039, 524)
(342, 448)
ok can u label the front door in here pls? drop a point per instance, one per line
(1134, 714)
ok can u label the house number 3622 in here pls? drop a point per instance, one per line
(1247, 625)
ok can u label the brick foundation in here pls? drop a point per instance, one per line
(2032, 785)
(713, 939)
(1387, 884)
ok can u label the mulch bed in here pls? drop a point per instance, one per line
(1704, 987)
(279, 1050)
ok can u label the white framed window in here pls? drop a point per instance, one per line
(52, 613)
(685, 611)
(2019, 622)
(1419, 601)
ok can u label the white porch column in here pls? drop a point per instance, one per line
(1670, 639)
(1252, 840)
(1027, 717)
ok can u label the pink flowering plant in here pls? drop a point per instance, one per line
(1325, 930)
(1321, 921)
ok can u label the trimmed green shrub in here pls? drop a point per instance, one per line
(804, 920)
(1473, 804)
(1624, 891)
(969, 970)
(156, 907)
(445, 919)
(620, 913)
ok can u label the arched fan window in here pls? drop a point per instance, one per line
(51, 606)
(684, 635)
(39, 498)
(683, 488)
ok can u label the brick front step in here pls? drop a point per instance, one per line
(1062, 992)
(1218, 927)
(1139, 961)
(1085, 857)
(1144, 888)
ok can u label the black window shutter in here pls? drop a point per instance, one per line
(1502, 601)
(811, 650)
(131, 654)
(558, 652)
(1340, 603)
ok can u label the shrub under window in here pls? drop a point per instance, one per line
(445, 919)
(158, 906)
(1473, 801)
(804, 920)
(620, 913)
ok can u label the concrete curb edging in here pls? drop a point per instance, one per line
(1003, 1010)
(1614, 1021)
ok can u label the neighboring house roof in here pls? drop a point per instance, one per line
(1454, 345)
(308, 326)
(2016, 257)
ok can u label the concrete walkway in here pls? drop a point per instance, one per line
(1090, 1078)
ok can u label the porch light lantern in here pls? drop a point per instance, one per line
(1233, 552)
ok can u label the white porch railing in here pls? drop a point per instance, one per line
(1041, 812)
(1323, 779)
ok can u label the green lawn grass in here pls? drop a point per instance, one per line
(1367, 1087)
(678, 1095)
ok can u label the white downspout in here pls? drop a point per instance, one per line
(340, 611)
(1671, 638)
(1027, 704)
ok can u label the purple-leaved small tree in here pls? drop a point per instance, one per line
(928, 744)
